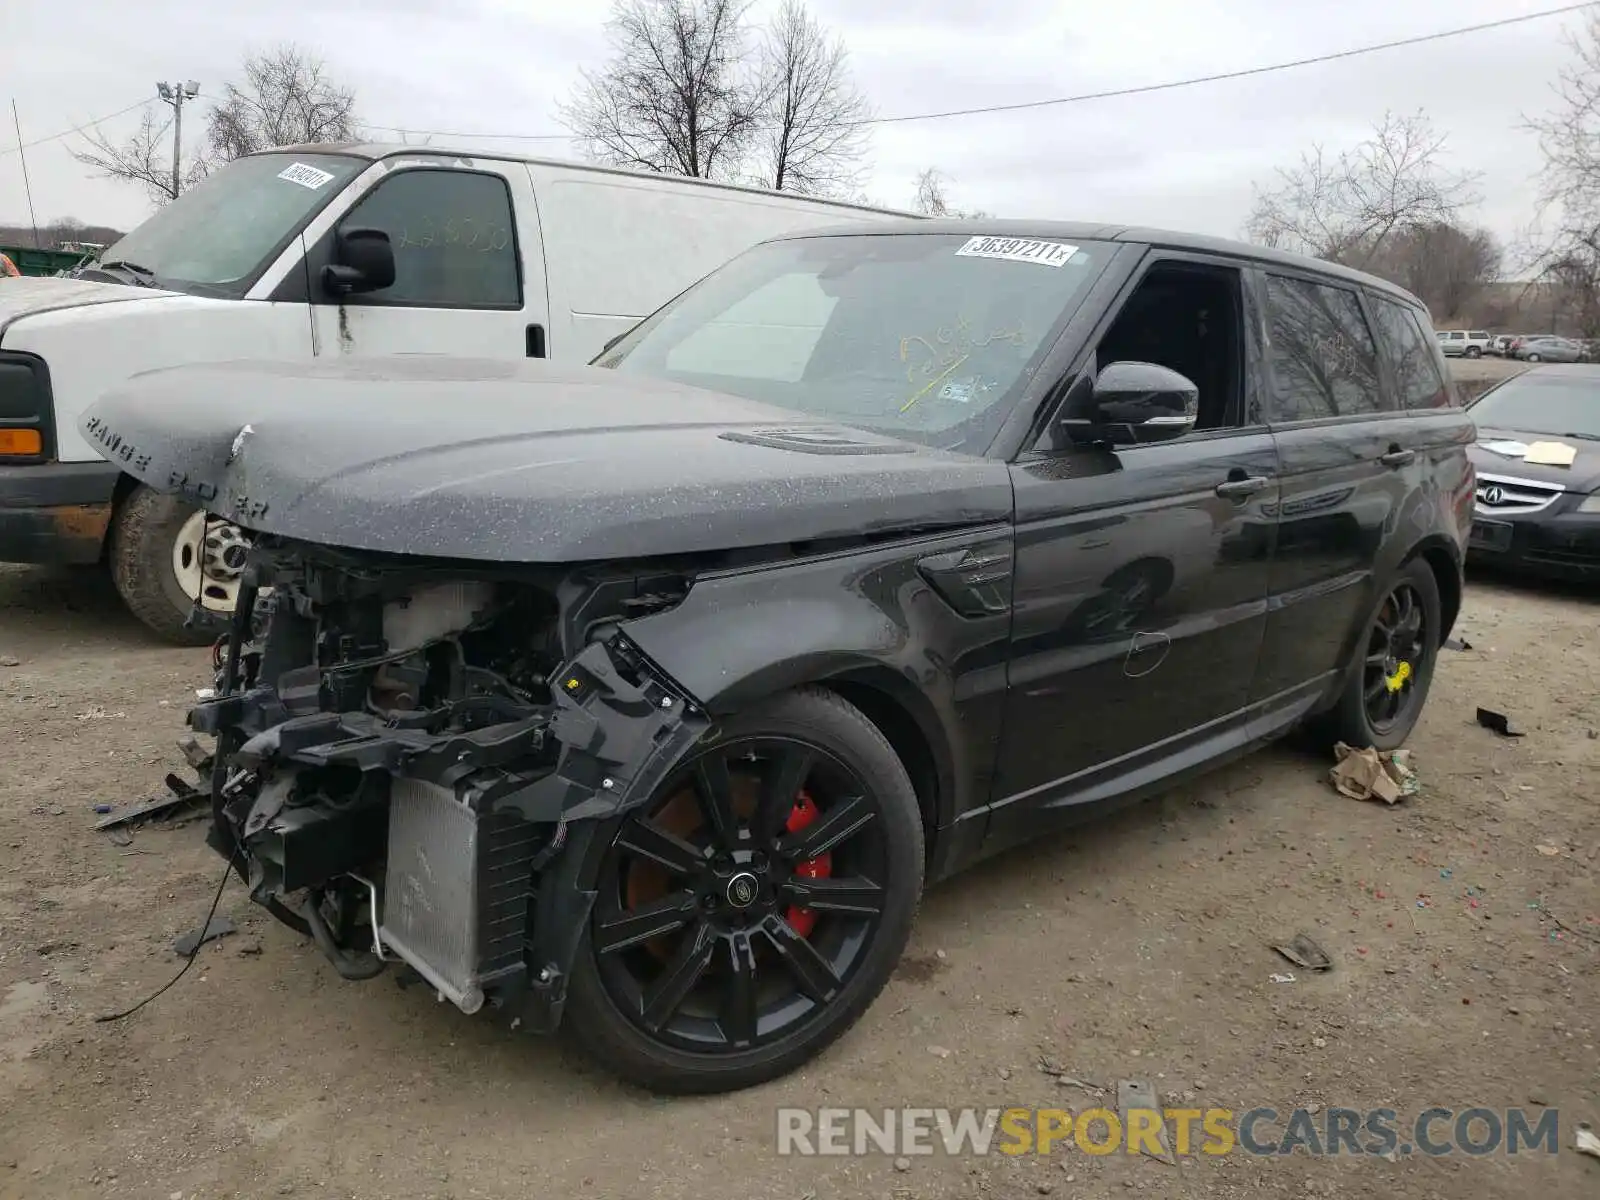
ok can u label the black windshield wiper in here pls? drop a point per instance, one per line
(1588, 437)
(143, 276)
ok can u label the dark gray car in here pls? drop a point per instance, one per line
(1533, 516)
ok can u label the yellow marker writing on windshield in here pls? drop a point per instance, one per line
(932, 383)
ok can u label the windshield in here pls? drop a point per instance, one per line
(219, 235)
(1563, 405)
(926, 337)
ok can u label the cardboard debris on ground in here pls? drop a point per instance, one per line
(1134, 1094)
(1367, 775)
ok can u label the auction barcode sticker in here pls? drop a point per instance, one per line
(1046, 254)
(305, 175)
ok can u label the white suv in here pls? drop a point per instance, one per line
(1465, 343)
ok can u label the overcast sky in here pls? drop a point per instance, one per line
(1183, 159)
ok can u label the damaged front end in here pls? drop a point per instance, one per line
(413, 758)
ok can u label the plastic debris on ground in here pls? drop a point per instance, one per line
(1584, 1141)
(1367, 775)
(190, 942)
(1305, 953)
(1498, 722)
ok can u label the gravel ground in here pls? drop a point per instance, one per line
(1139, 947)
(1473, 375)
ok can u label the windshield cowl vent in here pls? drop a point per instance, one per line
(814, 440)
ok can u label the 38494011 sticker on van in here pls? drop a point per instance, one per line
(318, 252)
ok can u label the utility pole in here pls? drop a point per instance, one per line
(175, 94)
(27, 186)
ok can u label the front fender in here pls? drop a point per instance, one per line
(868, 617)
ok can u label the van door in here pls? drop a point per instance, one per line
(1351, 459)
(469, 265)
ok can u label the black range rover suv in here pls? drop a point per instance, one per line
(652, 694)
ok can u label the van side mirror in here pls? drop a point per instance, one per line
(1133, 403)
(363, 261)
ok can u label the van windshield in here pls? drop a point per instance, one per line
(216, 238)
(925, 337)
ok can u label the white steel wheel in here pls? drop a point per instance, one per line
(208, 561)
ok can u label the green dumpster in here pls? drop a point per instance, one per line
(43, 262)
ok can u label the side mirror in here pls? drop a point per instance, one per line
(363, 261)
(1132, 403)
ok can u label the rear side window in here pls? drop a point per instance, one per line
(1416, 371)
(1321, 354)
(453, 237)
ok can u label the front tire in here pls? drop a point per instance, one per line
(1389, 682)
(163, 554)
(1531, 358)
(751, 910)
(1474, 352)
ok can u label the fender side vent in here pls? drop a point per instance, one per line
(976, 582)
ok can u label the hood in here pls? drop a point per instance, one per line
(28, 295)
(520, 461)
(1582, 476)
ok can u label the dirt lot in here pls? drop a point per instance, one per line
(1473, 375)
(1136, 948)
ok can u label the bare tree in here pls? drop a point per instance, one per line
(1446, 265)
(1347, 206)
(1569, 138)
(679, 96)
(814, 117)
(286, 98)
(932, 197)
(144, 158)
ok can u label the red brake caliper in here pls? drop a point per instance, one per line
(803, 920)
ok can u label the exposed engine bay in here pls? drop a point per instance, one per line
(412, 757)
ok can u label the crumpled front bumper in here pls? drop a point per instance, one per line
(487, 882)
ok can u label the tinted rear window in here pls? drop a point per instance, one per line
(1410, 355)
(1321, 354)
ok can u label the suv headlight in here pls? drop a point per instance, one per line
(1590, 504)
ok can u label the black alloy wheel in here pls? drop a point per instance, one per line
(1389, 686)
(752, 909)
(1394, 648)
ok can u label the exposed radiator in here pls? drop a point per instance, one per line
(456, 890)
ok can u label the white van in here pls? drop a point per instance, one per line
(330, 250)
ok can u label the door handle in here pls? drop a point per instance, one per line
(1398, 457)
(535, 341)
(1243, 488)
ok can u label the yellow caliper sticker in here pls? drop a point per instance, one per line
(1398, 680)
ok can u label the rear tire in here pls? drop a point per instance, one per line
(144, 532)
(1531, 358)
(1353, 719)
(703, 1039)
